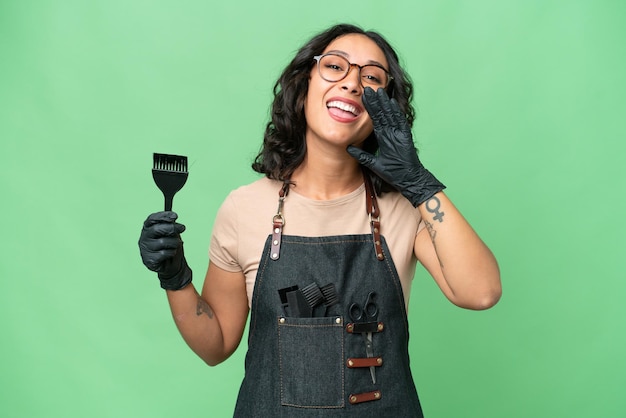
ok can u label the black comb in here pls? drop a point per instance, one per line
(170, 174)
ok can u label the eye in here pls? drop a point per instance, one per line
(334, 63)
(334, 66)
(372, 79)
(373, 75)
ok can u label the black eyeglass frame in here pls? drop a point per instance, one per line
(318, 58)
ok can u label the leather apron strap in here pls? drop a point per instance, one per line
(371, 208)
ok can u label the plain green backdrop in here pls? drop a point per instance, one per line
(521, 114)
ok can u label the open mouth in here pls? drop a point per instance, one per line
(343, 109)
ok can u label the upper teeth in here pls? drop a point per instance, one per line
(343, 106)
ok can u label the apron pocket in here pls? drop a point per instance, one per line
(311, 352)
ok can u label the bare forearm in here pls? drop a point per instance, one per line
(468, 266)
(197, 324)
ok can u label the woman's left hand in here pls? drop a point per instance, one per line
(462, 265)
(396, 161)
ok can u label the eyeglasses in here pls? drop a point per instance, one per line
(334, 67)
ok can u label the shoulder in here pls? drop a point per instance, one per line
(249, 202)
(399, 218)
(242, 224)
(259, 190)
(393, 204)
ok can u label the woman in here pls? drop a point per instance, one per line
(322, 250)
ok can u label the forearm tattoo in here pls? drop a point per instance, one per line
(432, 205)
(203, 308)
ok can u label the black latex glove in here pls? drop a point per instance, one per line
(396, 161)
(161, 250)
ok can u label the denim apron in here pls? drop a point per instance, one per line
(316, 362)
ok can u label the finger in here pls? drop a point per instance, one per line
(160, 217)
(366, 159)
(385, 105)
(399, 118)
(361, 156)
(372, 105)
(166, 254)
(161, 230)
(155, 261)
(151, 263)
(160, 244)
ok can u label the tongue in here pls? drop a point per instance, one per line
(341, 113)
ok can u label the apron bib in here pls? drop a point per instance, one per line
(328, 329)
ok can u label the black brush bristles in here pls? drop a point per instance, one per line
(312, 294)
(330, 296)
(170, 174)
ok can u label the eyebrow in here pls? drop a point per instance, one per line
(345, 55)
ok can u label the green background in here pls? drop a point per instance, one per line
(521, 114)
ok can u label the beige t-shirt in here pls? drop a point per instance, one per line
(244, 222)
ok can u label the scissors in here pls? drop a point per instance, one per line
(368, 313)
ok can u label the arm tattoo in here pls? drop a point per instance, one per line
(434, 208)
(431, 230)
(203, 308)
(433, 234)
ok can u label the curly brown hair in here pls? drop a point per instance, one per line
(284, 144)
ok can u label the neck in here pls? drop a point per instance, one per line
(327, 178)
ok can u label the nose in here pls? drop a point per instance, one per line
(352, 80)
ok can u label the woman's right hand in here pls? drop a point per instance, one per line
(162, 251)
(196, 316)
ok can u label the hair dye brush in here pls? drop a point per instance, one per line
(170, 174)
